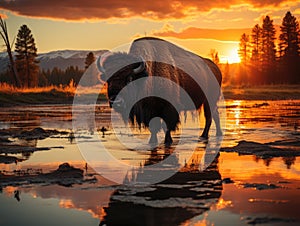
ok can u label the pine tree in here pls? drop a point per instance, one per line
(91, 77)
(90, 58)
(256, 42)
(226, 73)
(268, 49)
(244, 48)
(56, 76)
(214, 56)
(43, 78)
(26, 62)
(289, 49)
(289, 37)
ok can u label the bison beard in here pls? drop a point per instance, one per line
(151, 109)
(120, 69)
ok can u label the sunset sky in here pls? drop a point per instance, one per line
(94, 25)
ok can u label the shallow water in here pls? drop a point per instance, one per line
(189, 198)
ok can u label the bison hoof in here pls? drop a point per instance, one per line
(168, 143)
(219, 134)
(203, 138)
(168, 140)
(153, 140)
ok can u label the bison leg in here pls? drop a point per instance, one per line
(168, 138)
(153, 139)
(171, 119)
(208, 120)
(154, 126)
(217, 122)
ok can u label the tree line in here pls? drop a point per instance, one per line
(266, 59)
(23, 69)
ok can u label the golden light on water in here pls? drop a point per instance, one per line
(223, 204)
(66, 203)
(69, 204)
(237, 112)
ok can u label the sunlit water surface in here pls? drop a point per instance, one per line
(90, 204)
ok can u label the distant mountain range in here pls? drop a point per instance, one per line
(60, 58)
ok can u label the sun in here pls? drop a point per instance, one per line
(233, 56)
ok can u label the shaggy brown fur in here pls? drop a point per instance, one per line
(191, 72)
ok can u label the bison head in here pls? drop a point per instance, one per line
(119, 69)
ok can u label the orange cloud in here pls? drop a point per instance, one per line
(264, 3)
(100, 9)
(194, 32)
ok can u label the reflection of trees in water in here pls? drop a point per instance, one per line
(288, 160)
(267, 161)
(22, 119)
(188, 193)
(31, 117)
(256, 158)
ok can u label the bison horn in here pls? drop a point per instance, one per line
(101, 60)
(99, 65)
(140, 68)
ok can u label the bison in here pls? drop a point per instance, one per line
(147, 60)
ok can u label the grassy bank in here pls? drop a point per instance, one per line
(51, 97)
(10, 96)
(263, 92)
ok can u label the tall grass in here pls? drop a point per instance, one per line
(10, 89)
(70, 89)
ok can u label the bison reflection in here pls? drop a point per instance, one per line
(183, 196)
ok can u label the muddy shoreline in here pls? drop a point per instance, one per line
(280, 148)
(65, 175)
(10, 143)
(46, 98)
